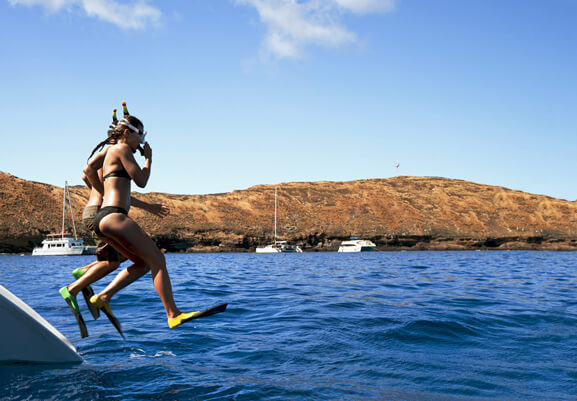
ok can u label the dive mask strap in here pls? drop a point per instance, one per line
(132, 127)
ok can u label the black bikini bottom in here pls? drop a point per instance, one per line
(102, 213)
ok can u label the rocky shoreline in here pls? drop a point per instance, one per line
(406, 243)
(397, 214)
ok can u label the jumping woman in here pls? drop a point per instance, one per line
(113, 223)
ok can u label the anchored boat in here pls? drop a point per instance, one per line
(63, 243)
(60, 244)
(277, 246)
(356, 244)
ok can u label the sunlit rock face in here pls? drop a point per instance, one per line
(395, 213)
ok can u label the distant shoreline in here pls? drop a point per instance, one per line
(397, 214)
(569, 246)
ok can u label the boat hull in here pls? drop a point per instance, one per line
(267, 250)
(28, 337)
(56, 252)
(278, 248)
(357, 249)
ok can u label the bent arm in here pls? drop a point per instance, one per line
(86, 180)
(138, 175)
(92, 168)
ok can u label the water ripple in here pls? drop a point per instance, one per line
(446, 325)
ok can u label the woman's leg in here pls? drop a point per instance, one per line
(123, 232)
(95, 273)
(108, 260)
(90, 266)
(123, 279)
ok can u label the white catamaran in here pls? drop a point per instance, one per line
(62, 243)
(277, 246)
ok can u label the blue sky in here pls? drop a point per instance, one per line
(236, 93)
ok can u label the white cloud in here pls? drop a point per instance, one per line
(366, 6)
(291, 25)
(135, 15)
(294, 24)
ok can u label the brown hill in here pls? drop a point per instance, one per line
(396, 213)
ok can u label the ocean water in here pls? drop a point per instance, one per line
(317, 326)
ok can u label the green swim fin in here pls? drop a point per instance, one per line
(87, 293)
(73, 305)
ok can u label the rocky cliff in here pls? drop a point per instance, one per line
(395, 213)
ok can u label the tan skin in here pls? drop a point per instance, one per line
(120, 230)
(98, 269)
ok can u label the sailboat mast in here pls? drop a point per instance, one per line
(63, 208)
(275, 215)
(71, 210)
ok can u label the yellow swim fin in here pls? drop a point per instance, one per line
(185, 317)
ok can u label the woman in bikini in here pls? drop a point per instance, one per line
(113, 223)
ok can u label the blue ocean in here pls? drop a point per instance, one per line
(316, 326)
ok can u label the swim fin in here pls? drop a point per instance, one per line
(185, 317)
(73, 305)
(105, 307)
(87, 293)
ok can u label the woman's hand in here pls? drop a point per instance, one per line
(147, 151)
(159, 210)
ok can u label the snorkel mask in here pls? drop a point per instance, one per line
(141, 134)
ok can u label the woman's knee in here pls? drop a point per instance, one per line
(161, 260)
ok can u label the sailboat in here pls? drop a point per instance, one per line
(277, 246)
(63, 243)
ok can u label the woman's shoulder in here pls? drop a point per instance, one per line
(118, 148)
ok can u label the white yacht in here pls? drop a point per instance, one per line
(63, 243)
(277, 246)
(60, 244)
(355, 244)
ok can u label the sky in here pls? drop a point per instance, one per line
(236, 93)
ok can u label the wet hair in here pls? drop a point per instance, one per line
(115, 133)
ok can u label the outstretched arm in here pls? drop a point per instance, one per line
(157, 209)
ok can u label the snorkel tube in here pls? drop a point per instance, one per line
(112, 125)
(126, 113)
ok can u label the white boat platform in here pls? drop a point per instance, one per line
(28, 337)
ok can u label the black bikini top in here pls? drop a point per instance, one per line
(120, 173)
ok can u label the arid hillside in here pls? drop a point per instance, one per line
(396, 213)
